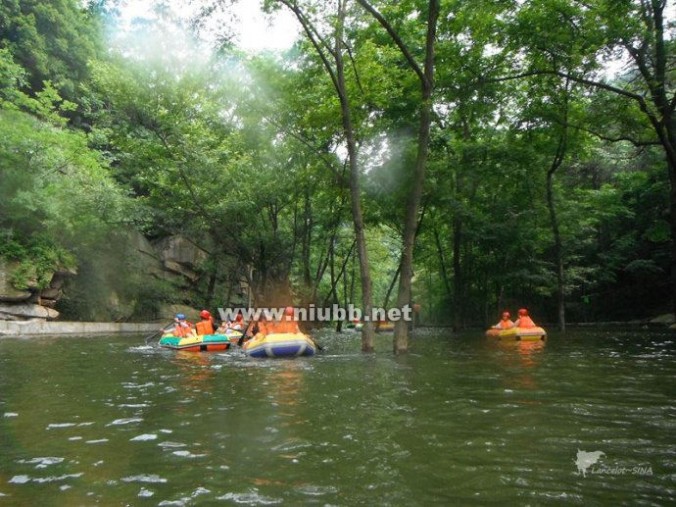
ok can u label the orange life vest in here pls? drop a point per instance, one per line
(183, 329)
(525, 321)
(263, 327)
(205, 327)
(287, 325)
(505, 324)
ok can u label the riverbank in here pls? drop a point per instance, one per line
(29, 328)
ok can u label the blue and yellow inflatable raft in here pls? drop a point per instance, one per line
(280, 345)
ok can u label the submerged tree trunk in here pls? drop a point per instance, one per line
(559, 156)
(367, 336)
(426, 76)
(336, 72)
(400, 344)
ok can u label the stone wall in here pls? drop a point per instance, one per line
(19, 329)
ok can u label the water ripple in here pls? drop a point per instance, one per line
(42, 462)
(128, 420)
(24, 479)
(144, 437)
(145, 478)
(250, 498)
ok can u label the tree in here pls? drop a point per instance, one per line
(330, 50)
(639, 29)
(426, 77)
(52, 41)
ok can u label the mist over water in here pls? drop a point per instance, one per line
(459, 419)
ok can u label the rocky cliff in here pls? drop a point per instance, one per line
(173, 260)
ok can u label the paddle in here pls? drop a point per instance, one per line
(154, 335)
(241, 338)
(319, 347)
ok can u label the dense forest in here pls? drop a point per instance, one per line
(463, 156)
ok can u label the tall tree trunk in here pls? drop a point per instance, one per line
(671, 164)
(653, 62)
(352, 278)
(367, 335)
(345, 293)
(442, 261)
(336, 279)
(386, 302)
(336, 72)
(413, 203)
(307, 239)
(458, 275)
(559, 156)
(426, 76)
(558, 251)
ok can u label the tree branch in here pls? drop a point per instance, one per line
(589, 82)
(397, 40)
(315, 39)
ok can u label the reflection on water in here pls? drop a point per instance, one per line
(460, 419)
(194, 372)
(522, 358)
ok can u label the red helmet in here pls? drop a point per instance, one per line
(205, 314)
(288, 311)
(505, 315)
(523, 312)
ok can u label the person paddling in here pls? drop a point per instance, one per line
(258, 328)
(182, 328)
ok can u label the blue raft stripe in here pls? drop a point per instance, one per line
(288, 348)
(174, 342)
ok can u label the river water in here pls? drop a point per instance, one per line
(585, 419)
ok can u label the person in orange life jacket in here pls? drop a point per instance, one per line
(505, 322)
(524, 320)
(287, 324)
(182, 328)
(206, 324)
(239, 322)
(259, 327)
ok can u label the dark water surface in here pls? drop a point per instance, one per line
(459, 420)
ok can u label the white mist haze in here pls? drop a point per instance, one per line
(242, 22)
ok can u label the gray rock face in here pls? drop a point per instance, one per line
(180, 250)
(26, 311)
(174, 259)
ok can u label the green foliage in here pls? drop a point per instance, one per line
(244, 155)
(38, 258)
(52, 41)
